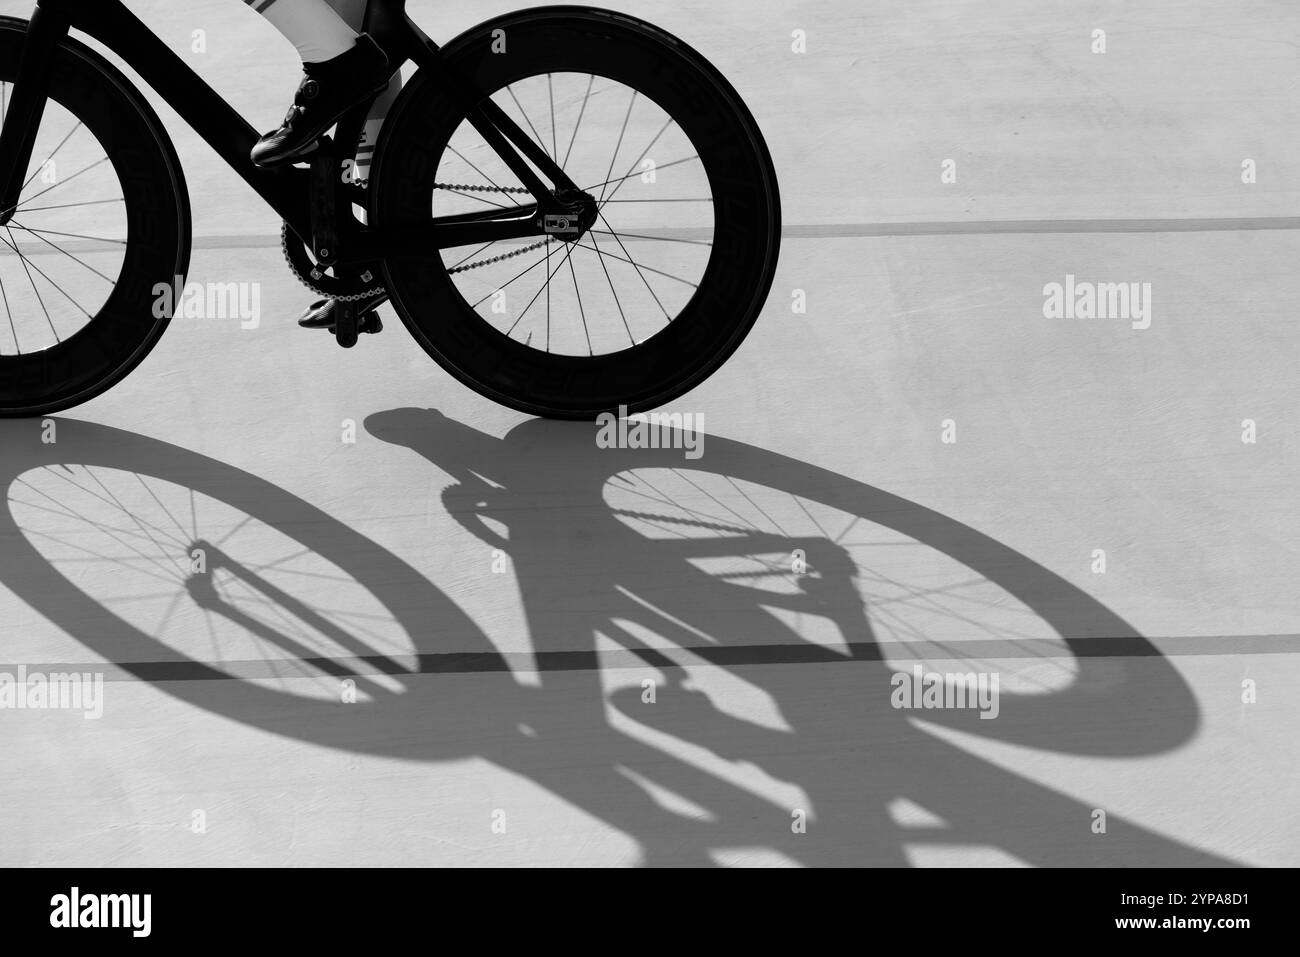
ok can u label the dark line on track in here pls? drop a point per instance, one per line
(848, 230)
(801, 653)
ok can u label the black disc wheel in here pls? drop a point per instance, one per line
(96, 250)
(678, 255)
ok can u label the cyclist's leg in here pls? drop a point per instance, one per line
(353, 14)
(317, 32)
(320, 314)
(341, 67)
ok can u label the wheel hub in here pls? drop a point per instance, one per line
(577, 214)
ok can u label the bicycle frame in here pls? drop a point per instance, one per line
(288, 189)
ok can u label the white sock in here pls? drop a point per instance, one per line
(312, 26)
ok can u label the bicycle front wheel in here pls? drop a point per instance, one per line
(99, 240)
(670, 276)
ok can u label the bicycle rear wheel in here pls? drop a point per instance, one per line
(670, 277)
(102, 224)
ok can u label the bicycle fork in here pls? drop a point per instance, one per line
(22, 120)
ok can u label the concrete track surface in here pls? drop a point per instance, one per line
(504, 598)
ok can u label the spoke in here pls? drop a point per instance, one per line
(517, 275)
(613, 292)
(581, 312)
(481, 173)
(235, 530)
(639, 266)
(490, 242)
(171, 609)
(591, 78)
(12, 244)
(524, 114)
(607, 190)
(663, 239)
(546, 286)
(684, 159)
(479, 198)
(139, 478)
(60, 510)
(55, 232)
(141, 526)
(37, 171)
(23, 259)
(169, 579)
(617, 147)
(85, 490)
(63, 182)
(637, 162)
(550, 92)
(66, 253)
(89, 202)
(3, 293)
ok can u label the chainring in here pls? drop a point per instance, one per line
(332, 282)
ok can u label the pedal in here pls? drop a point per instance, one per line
(366, 324)
(346, 324)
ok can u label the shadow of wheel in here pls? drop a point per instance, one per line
(543, 466)
(399, 711)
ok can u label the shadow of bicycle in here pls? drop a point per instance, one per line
(743, 576)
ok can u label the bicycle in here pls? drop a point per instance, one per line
(460, 166)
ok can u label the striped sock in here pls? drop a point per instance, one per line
(312, 26)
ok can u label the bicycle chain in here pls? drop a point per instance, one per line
(285, 235)
(496, 259)
(471, 188)
(455, 187)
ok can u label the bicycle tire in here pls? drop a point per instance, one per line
(746, 212)
(157, 247)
